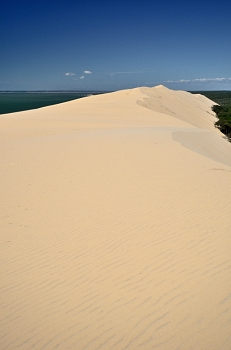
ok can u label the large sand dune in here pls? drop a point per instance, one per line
(115, 225)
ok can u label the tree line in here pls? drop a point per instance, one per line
(222, 109)
(223, 114)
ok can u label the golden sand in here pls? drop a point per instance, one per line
(115, 225)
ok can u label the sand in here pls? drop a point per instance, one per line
(115, 224)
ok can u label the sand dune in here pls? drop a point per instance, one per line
(115, 225)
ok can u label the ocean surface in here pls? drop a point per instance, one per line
(20, 101)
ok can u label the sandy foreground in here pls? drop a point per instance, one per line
(115, 225)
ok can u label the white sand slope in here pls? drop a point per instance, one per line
(115, 225)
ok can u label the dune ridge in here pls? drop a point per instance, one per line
(115, 228)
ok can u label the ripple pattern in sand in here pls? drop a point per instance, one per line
(127, 250)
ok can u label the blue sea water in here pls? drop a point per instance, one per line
(20, 101)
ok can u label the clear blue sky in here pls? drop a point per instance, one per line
(112, 45)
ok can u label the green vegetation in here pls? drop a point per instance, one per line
(222, 110)
(223, 114)
(222, 98)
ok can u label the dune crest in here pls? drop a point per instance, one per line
(115, 224)
(190, 108)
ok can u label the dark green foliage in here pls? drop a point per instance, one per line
(222, 109)
(223, 114)
(223, 98)
(217, 109)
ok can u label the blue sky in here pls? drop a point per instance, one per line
(113, 45)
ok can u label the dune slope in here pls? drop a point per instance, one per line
(115, 227)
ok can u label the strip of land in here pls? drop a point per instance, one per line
(115, 224)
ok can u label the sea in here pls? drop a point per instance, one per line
(15, 101)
